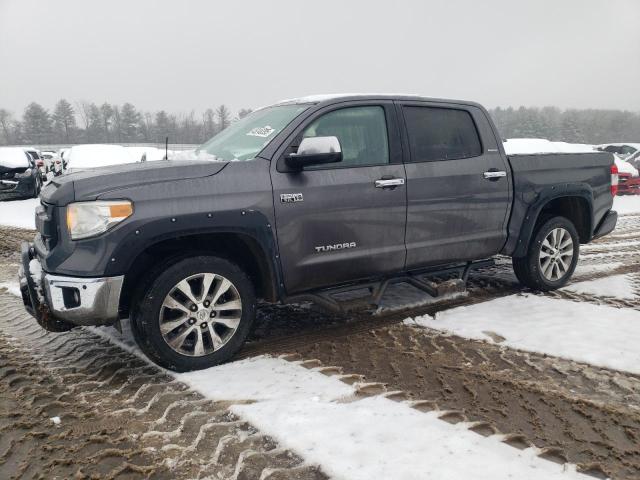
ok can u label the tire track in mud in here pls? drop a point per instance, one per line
(572, 412)
(119, 417)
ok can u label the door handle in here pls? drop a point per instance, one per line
(389, 182)
(494, 174)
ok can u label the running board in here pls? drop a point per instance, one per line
(325, 298)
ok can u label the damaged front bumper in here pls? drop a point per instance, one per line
(60, 302)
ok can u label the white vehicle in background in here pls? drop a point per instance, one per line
(147, 154)
(623, 150)
(48, 157)
(88, 157)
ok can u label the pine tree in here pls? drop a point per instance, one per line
(37, 125)
(224, 117)
(64, 121)
(106, 111)
(129, 123)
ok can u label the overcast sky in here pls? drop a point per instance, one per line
(192, 54)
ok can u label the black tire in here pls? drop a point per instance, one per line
(528, 268)
(145, 313)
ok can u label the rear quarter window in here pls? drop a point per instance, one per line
(441, 134)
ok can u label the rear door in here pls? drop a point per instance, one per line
(339, 222)
(458, 186)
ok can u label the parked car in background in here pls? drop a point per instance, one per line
(623, 150)
(48, 156)
(63, 153)
(88, 157)
(19, 175)
(39, 161)
(634, 159)
(628, 179)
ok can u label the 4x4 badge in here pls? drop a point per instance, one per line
(291, 197)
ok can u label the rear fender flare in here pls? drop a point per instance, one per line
(543, 197)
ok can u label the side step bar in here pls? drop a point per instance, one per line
(325, 298)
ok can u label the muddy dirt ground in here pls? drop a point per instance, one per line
(119, 417)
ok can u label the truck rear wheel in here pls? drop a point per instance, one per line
(551, 257)
(195, 314)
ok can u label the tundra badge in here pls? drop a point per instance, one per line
(337, 246)
(291, 197)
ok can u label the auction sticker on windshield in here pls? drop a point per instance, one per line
(261, 131)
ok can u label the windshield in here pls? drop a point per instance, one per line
(244, 139)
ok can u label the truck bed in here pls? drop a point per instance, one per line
(539, 177)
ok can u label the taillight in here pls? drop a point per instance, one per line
(614, 179)
(40, 163)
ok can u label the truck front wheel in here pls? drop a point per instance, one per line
(551, 257)
(195, 314)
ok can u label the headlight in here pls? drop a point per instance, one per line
(87, 219)
(25, 174)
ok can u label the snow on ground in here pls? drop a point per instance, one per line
(626, 205)
(19, 213)
(618, 286)
(11, 287)
(602, 336)
(318, 417)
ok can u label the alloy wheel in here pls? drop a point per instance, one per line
(556, 254)
(200, 314)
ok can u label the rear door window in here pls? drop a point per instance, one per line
(441, 134)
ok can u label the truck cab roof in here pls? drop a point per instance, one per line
(331, 98)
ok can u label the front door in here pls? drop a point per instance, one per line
(334, 223)
(458, 187)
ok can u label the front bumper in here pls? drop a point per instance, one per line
(75, 300)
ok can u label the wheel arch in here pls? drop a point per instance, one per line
(576, 206)
(256, 259)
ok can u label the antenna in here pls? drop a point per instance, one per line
(166, 148)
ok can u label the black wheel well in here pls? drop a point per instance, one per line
(241, 249)
(576, 209)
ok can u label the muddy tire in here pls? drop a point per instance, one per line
(194, 314)
(551, 257)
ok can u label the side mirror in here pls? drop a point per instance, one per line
(315, 151)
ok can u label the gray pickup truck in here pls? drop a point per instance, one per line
(297, 202)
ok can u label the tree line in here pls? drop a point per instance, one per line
(87, 122)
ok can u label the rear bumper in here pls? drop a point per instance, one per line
(607, 224)
(76, 300)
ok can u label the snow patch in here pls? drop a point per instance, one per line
(12, 287)
(264, 378)
(602, 336)
(19, 213)
(618, 286)
(379, 438)
(627, 205)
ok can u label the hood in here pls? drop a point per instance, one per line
(88, 184)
